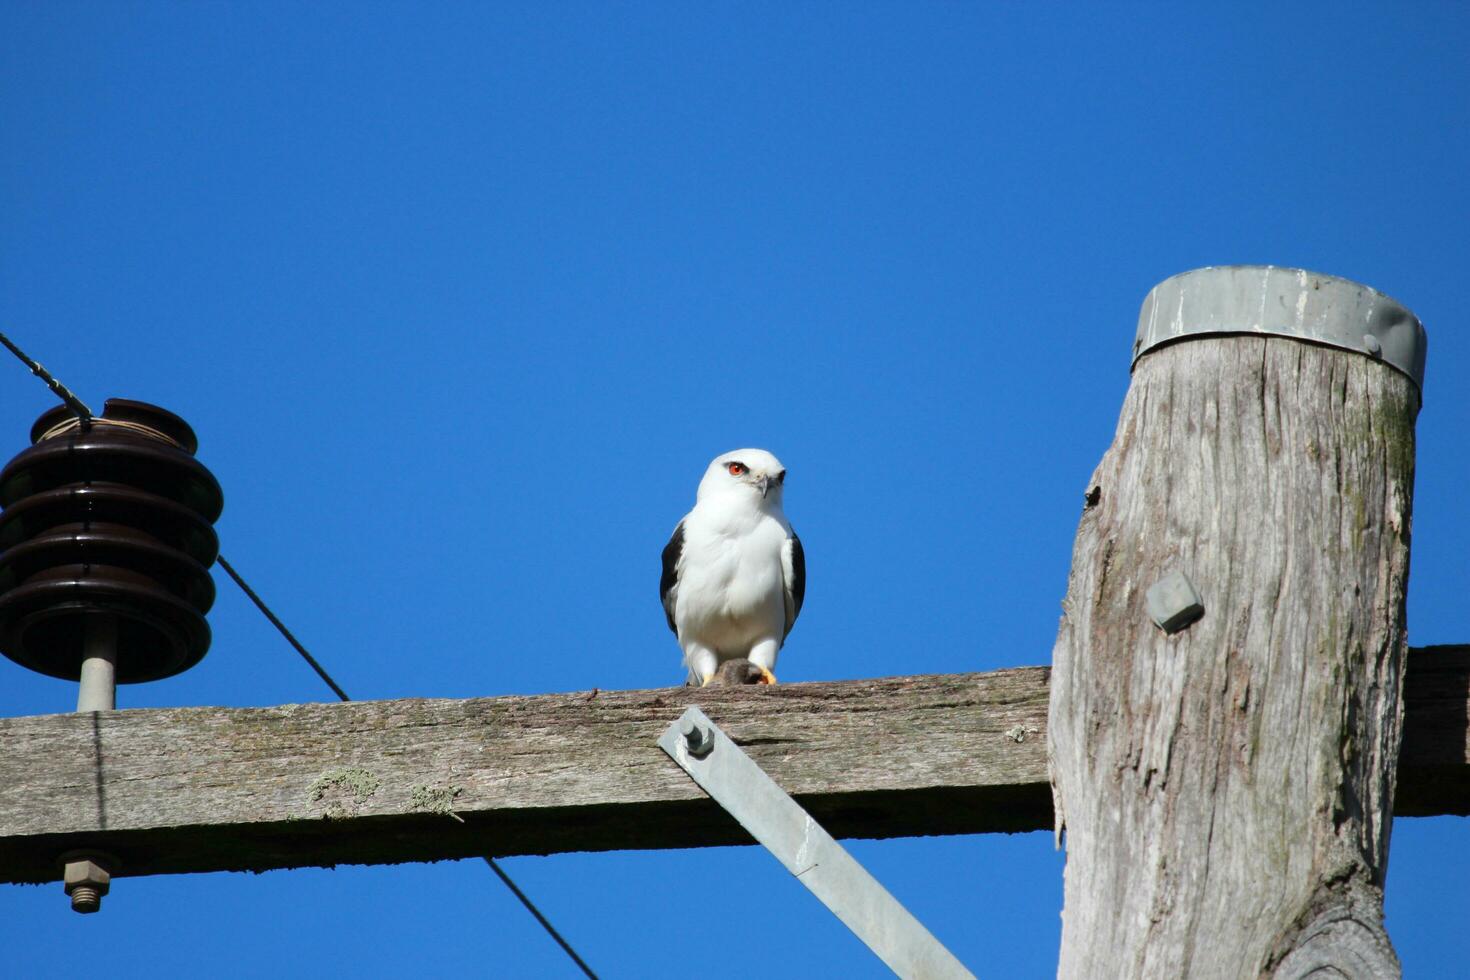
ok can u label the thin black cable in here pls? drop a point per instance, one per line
(85, 414)
(530, 906)
(62, 391)
(550, 929)
(290, 638)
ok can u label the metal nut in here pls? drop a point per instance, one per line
(696, 738)
(1174, 603)
(87, 876)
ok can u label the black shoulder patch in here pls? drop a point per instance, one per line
(668, 583)
(795, 580)
(798, 568)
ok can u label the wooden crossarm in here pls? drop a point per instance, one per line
(374, 782)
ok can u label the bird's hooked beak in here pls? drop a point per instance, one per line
(766, 481)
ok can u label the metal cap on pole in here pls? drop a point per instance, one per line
(1271, 300)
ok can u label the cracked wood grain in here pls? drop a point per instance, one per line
(1227, 791)
(204, 789)
(211, 789)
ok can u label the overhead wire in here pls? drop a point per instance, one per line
(84, 418)
(290, 637)
(74, 403)
(494, 866)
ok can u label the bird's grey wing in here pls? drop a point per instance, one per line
(793, 569)
(668, 583)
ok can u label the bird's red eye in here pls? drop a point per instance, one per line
(736, 469)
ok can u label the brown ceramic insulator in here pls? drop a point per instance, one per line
(109, 544)
(113, 456)
(42, 623)
(80, 503)
(126, 410)
(108, 520)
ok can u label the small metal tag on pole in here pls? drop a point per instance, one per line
(779, 824)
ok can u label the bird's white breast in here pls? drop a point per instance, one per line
(731, 585)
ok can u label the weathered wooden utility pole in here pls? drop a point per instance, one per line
(1226, 781)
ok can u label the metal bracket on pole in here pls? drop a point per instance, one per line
(775, 820)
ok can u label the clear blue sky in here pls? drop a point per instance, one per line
(461, 299)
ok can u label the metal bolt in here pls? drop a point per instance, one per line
(696, 738)
(1173, 602)
(85, 899)
(86, 878)
(1371, 345)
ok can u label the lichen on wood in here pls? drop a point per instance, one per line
(342, 791)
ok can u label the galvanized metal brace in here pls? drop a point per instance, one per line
(775, 820)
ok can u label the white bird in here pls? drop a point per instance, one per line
(734, 573)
